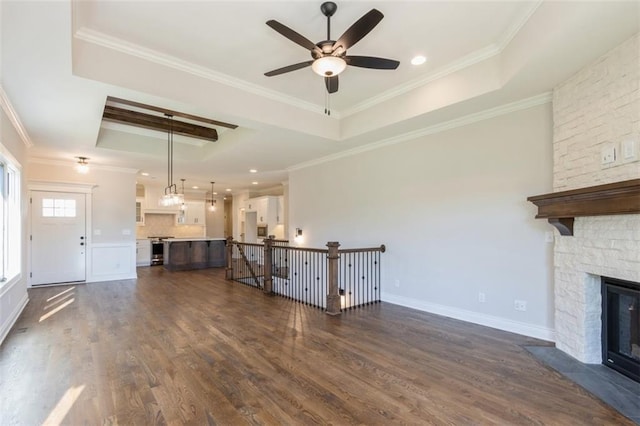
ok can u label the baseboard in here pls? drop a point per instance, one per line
(113, 277)
(6, 327)
(499, 323)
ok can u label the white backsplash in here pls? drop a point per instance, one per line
(158, 225)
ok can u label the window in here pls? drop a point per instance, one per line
(10, 202)
(58, 207)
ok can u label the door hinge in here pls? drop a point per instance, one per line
(30, 274)
(30, 237)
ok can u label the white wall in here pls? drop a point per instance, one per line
(451, 208)
(111, 238)
(13, 295)
(215, 220)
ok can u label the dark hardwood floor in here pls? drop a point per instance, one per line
(190, 347)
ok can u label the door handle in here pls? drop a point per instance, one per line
(81, 244)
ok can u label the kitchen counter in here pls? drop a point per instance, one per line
(181, 254)
(194, 239)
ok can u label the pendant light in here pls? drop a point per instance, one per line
(183, 206)
(212, 206)
(171, 196)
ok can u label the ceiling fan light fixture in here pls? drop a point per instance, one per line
(329, 66)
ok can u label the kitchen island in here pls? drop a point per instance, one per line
(181, 254)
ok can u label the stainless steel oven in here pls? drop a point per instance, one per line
(157, 250)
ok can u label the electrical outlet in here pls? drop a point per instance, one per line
(608, 155)
(396, 283)
(548, 237)
(520, 305)
(482, 298)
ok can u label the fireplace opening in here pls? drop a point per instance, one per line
(621, 326)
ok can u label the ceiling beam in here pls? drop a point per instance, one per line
(135, 104)
(155, 122)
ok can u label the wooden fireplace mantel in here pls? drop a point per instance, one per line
(560, 208)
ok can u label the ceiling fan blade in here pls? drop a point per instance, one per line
(288, 68)
(358, 30)
(293, 36)
(331, 83)
(372, 62)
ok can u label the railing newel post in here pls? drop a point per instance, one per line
(268, 276)
(333, 292)
(229, 269)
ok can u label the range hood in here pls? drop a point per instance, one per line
(161, 211)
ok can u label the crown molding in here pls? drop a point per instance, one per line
(465, 62)
(101, 39)
(476, 57)
(541, 99)
(515, 28)
(64, 163)
(8, 109)
(119, 45)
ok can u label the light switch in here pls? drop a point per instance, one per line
(629, 148)
(126, 232)
(97, 232)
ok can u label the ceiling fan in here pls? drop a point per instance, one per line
(330, 57)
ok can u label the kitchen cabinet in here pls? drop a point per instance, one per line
(266, 208)
(194, 214)
(139, 211)
(185, 254)
(143, 252)
(280, 211)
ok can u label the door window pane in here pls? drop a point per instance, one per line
(58, 207)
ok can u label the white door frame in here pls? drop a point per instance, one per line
(72, 187)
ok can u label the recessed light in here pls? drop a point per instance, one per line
(195, 187)
(144, 174)
(418, 60)
(215, 193)
(254, 183)
(228, 189)
(253, 171)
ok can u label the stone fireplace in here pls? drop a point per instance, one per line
(606, 246)
(596, 115)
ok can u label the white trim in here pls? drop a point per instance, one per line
(465, 62)
(52, 162)
(499, 323)
(129, 246)
(473, 58)
(515, 28)
(122, 46)
(11, 320)
(6, 105)
(98, 38)
(73, 187)
(60, 186)
(430, 130)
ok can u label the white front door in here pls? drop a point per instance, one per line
(58, 237)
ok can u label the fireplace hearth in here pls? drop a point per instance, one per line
(621, 326)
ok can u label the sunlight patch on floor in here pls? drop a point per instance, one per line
(60, 294)
(56, 310)
(61, 409)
